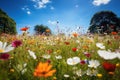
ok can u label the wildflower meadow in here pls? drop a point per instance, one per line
(60, 57)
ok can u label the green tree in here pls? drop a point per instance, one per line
(104, 22)
(42, 29)
(7, 24)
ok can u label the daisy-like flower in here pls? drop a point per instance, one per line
(92, 72)
(4, 48)
(79, 72)
(73, 61)
(32, 54)
(93, 63)
(58, 57)
(46, 56)
(44, 70)
(108, 55)
(100, 45)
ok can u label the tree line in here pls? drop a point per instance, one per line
(101, 22)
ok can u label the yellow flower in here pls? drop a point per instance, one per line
(11, 57)
(58, 51)
(12, 70)
(118, 65)
(44, 70)
(54, 78)
(99, 75)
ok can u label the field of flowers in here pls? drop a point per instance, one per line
(74, 57)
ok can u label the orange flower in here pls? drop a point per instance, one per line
(111, 73)
(113, 33)
(47, 30)
(75, 34)
(44, 70)
(85, 47)
(24, 28)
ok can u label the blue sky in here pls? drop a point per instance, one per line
(69, 13)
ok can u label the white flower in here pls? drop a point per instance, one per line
(32, 54)
(58, 57)
(93, 63)
(25, 64)
(23, 71)
(118, 55)
(108, 55)
(100, 45)
(79, 72)
(92, 72)
(77, 41)
(46, 56)
(66, 75)
(4, 48)
(73, 61)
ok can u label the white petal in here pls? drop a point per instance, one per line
(76, 59)
(9, 48)
(32, 54)
(100, 45)
(70, 61)
(106, 54)
(1, 43)
(118, 55)
(4, 46)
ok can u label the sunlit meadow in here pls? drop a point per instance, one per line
(60, 57)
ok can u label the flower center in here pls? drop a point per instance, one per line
(1, 50)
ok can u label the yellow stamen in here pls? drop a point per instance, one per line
(1, 50)
(99, 75)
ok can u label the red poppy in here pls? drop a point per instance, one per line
(87, 55)
(74, 49)
(24, 28)
(82, 62)
(114, 33)
(109, 66)
(67, 43)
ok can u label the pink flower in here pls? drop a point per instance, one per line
(16, 43)
(4, 56)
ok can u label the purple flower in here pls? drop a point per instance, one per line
(16, 43)
(4, 56)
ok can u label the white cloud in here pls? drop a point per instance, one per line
(26, 9)
(100, 2)
(52, 22)
(40, 3)
(52, 8)
(76, 6)
(28, 12)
